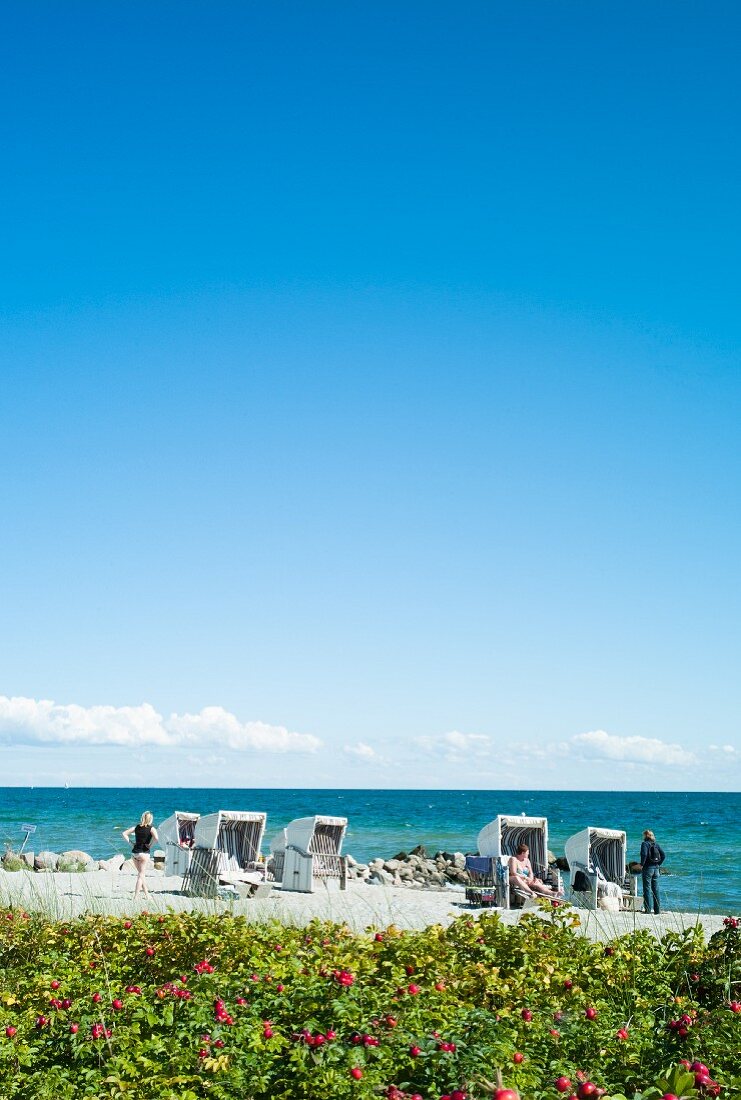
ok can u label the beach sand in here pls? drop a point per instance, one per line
(63, 896)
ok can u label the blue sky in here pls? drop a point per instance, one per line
(370, 395)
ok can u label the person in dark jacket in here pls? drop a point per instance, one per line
(144, 834)
(652, 856)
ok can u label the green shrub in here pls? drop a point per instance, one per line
(12, 862)
(211, 1006)
(71, 866)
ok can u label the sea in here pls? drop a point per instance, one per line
(700, 832)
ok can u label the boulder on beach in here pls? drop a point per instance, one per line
(128, 867)
(115, 863)
(76, 856)
(46, 861)
(379, 877)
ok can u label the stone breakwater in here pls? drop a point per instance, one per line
(414, 869)
(73, 861)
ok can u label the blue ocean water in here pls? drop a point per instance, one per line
(701, 833)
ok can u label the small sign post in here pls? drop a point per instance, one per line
(28, 830)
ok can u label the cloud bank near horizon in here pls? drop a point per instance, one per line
(595, 745)
(42, 721)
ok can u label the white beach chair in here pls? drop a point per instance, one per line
(500, 840)
(309, 848)
(227, 853)
(597, 862)
(177, 836)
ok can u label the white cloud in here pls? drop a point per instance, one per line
(42, 721)
(632, 750)
(363, 751)
(456, 745)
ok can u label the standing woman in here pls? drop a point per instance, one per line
(652, 856)
(144, 834)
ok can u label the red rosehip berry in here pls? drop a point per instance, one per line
(356, 1072)
(518, 1057)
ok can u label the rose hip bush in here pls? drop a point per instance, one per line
(190, 1005)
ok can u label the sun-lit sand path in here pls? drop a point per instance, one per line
(360, 906)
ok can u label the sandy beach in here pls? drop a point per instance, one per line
(64, 896)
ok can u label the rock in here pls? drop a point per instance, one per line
(379, 877)
(27, 858)
(391, 865)
(562, 863)
(460, 861)
(46, 861)
(376, 865)
(351, 861)
(115, 863)
(419, 851)
(76, 856)
(401, 857)
(128, 867)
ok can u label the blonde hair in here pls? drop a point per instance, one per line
(146, 818)
(648, 835)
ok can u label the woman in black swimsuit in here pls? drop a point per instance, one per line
(144, 834)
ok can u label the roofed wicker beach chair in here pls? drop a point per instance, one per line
(177, 836)
(226, 855)
(597, 861)
(500, 840)
(310, 848)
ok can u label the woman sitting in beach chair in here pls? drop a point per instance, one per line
(523, 880)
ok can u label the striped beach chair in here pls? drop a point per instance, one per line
(500, 840)
(309, 848)
(177, 836)
(597, 860)
(226, 854)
